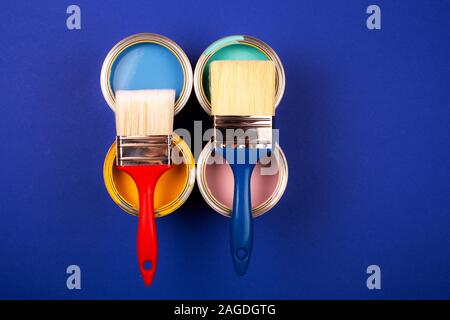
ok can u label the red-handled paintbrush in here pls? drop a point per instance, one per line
(144, 123)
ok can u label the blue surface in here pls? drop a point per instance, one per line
(147, 66)
(364, 125)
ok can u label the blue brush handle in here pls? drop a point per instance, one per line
(241, 232)
(242, 162)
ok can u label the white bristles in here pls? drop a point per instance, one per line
(242, 88)
(144, 112)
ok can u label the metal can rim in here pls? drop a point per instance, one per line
(189, 161)
(227, 41)
(146, 37)
(256, 212)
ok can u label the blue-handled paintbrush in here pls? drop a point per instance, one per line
(243, 104)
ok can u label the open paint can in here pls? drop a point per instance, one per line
(146, 61)
(173, 187)
(235, 47)
(216, 183)
(149, 61)
(215, 180)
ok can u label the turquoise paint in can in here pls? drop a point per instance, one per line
(231, 52)
(236, 47)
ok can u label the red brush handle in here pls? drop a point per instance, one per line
(146, 178)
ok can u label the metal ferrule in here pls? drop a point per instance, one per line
(242, 132)
(143, 150)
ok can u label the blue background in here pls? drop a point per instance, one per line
(365, 125)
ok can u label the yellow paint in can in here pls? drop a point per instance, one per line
(172, 189)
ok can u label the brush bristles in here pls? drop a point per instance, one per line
(242, 88)
(144, 112)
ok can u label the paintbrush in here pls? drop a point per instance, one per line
(144, 123)
(243, 103)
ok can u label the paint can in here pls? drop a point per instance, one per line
(149, 61)
(173, 187)
(215, 181)
(237, 47)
